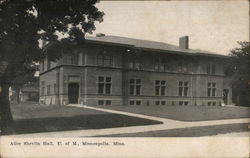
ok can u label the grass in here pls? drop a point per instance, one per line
(187, 113)
(34, 118)
(31, 118)
(189, 132)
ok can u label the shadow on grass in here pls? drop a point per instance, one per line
(189, 132)
(77, 122)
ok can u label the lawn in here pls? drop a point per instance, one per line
(187, 113)
(189, 132)
(34, 118)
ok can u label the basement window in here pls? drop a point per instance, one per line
(157, 102)
(138, 102)
(163, 102)
(108, 102)
(131, 102)
(100, 102)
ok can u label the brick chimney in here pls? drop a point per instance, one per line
(183, 42)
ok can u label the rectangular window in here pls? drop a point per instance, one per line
(211, 89)
(134, 63)
(183, 88)
(159, 64)
(157, 102)
(48, 89)
(100, 102)
(211, 68)
(182, 66)
(71, 59)
(104, 102)
(108, 60)
(163, 102)
(104, 85)
(100, 60)
(43, 88)
(160, 87)
(131, 102)
(108, 102)
(42, 93)
(48, 64)
(138, 102)
(42, 83)
(54, 88)
(104, 60)
(183, 103)
(135, 86)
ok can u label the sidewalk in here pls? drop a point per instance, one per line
(167, 124)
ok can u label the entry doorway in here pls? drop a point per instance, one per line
(225, 96)
(73, 93)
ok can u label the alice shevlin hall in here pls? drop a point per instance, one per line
(113, 70)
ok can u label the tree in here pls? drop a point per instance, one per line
(23, 23)
(239, 68)
(22, 79)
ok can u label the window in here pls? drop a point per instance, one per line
(210, 68)
(211, 89)
(42, 83)
(108, 102)
(100, 102)
(183, 88)
(182, 66)
(183, 103)
(131, 102)
(104, 102)
(160, 102)
(134, 63)
(135, 86)
(138, 102)
(157, 102)
(42, 88)
(71, 59)
(211, 103)
(159, 64)
(160, 87)
(54, 88)
(163, 102)
(48, 90)
(42, 93)
(104, 60)
(104, 85)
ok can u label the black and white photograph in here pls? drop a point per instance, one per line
(124, 69)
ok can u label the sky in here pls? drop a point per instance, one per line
(214, 26)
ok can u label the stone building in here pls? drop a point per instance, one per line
(113, 70)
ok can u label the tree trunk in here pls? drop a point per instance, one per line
(5, 112)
